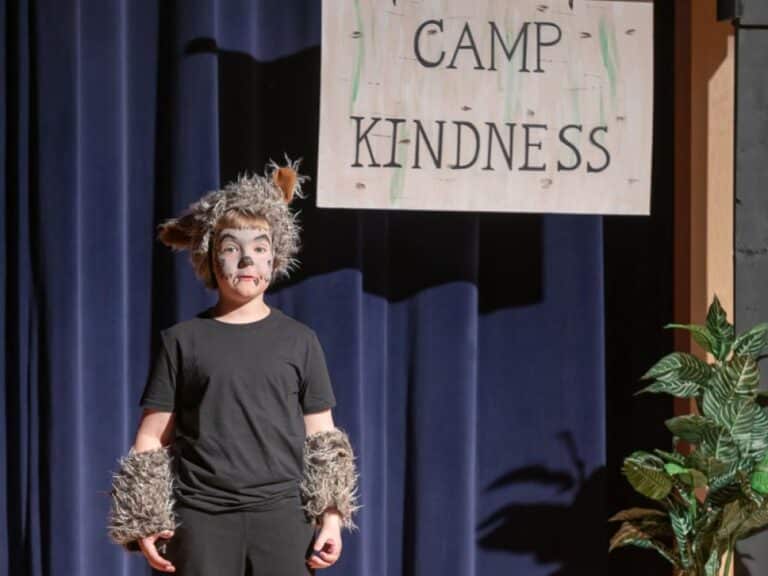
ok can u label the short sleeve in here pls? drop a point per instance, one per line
(316, 390)
(160, 388)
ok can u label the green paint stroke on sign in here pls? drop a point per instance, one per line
(608, 51)
(359, 57)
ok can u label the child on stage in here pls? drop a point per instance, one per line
(237, 467)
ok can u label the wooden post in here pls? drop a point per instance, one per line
(704, 141)
(704, 168)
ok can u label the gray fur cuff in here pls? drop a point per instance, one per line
(330, 476)
(142, 497)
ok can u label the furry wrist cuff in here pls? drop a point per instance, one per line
(330, 476)
(142, 497)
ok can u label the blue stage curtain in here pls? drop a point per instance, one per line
(466, 350)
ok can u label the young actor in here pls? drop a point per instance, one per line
(237, 467)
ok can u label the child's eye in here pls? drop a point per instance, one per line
(228, 249)
(261, 249)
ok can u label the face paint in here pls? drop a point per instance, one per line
(244, 258)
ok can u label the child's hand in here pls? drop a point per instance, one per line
(149, 549)
(327, 548)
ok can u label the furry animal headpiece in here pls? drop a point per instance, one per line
(266, 196)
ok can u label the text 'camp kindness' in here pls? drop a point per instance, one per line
(491, 145)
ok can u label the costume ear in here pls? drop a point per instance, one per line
(178, 233)
(285, 179)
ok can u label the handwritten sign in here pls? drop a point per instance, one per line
(490, 105)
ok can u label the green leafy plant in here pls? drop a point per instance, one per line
(717, 493)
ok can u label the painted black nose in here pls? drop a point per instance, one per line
(245, 261)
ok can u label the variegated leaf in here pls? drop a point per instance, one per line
(744, 420)
(712, 566)
(699, 333)
(682, 524)
(753, 342)
(724, 487)
(739, 378)
(680, 366)
(709, 465)
(744, 374)
(670, 456)
(630, 534)
(728, 477)
(678, 388)
(718, 444)
(704, 535)
(690, 427)
(720, 330)
(647, 475)
(758, 445)
(713, 400)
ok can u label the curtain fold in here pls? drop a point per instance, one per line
(466, 350)
(21, 452)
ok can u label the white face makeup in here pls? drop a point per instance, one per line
(244, 259)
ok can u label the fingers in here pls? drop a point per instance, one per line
(326, 552)
(326, 557)
(153, 557)
(316, 561)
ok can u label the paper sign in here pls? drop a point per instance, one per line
(489, 105)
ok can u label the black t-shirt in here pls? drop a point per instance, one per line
(239, 393)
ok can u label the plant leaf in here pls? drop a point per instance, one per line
(674, 469)
(712, 567)
(709, 465)
(759, 477)
(739, 378)
(646, 474)
(756, 499)
(671, 456)
(695, 478)
(758, 443)
(680, 366)
(744, 374)
(636, 514)
(704, 535)
(689, 477)
(718, 444)
(631, 534)
(678, 388)
(752, 342)
(753, 522)
(732, 517)
(690, 427)
(747, 424)
(724, 488)
(716, 482)
(682, 524)
(720, 330)
(699, 333)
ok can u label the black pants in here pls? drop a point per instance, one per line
(273, 542)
